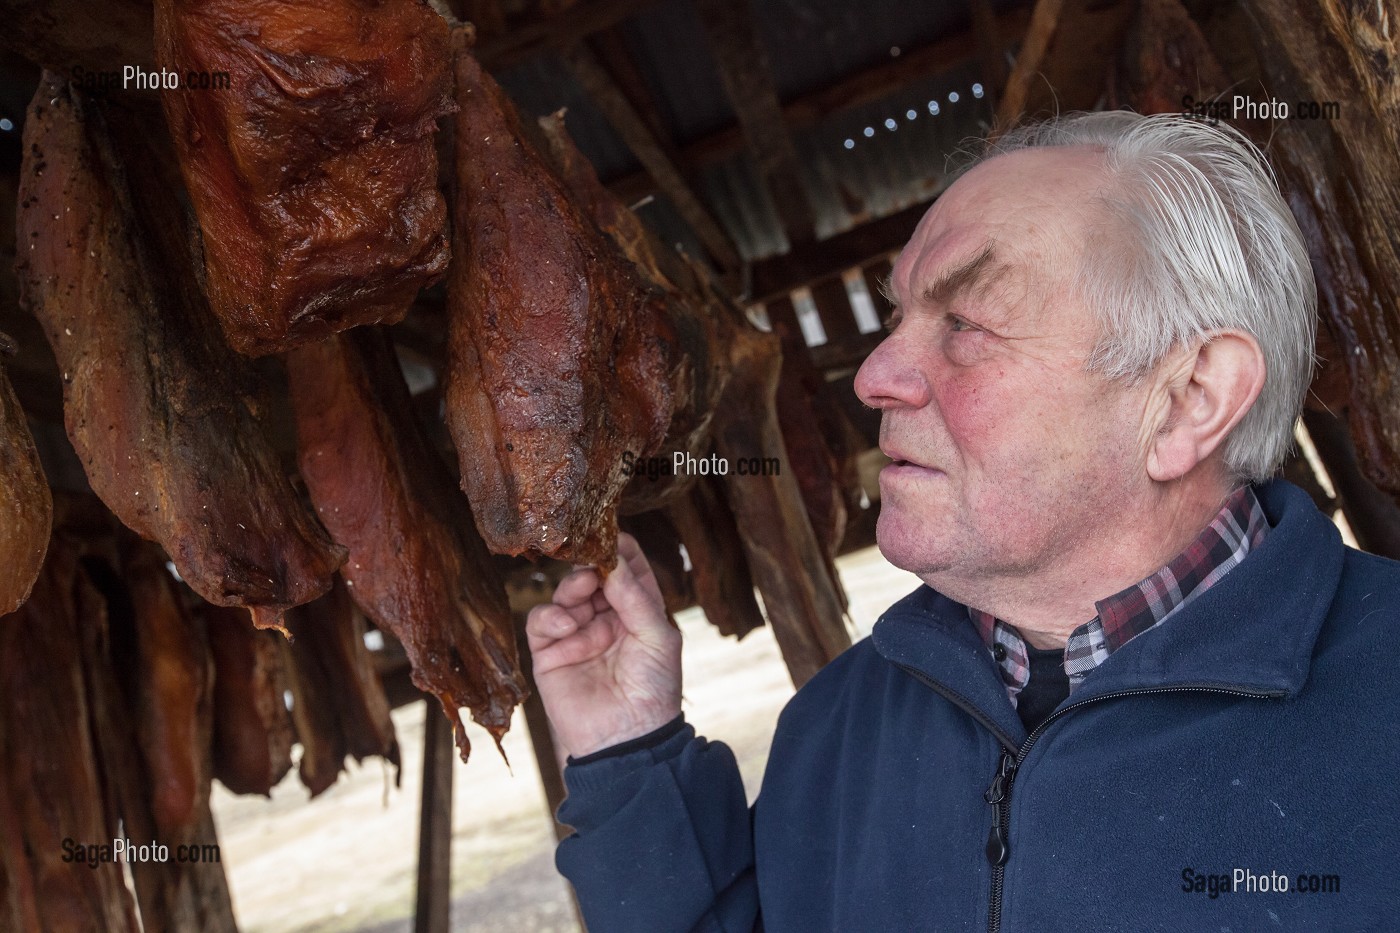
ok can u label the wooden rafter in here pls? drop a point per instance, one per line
(748, 80)
(855, 247)
(989, 49)
(1045, 19)
(864, 87)
(630, 125)
(552, 31)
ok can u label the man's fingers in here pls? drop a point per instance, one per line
(629, 552)
(547, 623)
(557, 640)
(637, 604)
(577, 588)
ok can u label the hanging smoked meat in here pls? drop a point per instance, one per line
(338, 703)
(173, 704)
(26, 507)
(52, 779)
(558, 363)
(417, 566)
(158, 409)
(680, 296)
(252, 731)
(314, 172)
(755, 527)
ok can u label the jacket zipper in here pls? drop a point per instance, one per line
(998, 795)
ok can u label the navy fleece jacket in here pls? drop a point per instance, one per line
(1257, 731)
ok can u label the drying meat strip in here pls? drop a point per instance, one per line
(155, 404)
(339, 706)
(803, 601)
(557, 364)
(172, 708)
(417, 566)
(334, 628)
(314, 173)
(735, 375)
(50, 767)
(252, 731)
(681, 296)
(26, 507)
(720, 575)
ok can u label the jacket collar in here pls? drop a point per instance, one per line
(1254, 631)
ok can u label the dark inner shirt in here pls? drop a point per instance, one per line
(1047, 688)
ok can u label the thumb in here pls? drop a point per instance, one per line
(637, 604)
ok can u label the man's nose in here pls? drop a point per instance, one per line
(891, 378)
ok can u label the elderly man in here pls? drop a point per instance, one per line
(1143, 686)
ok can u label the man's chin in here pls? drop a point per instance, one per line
(909, 545)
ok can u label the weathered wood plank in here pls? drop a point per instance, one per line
(630, 125)
(433, 900)
(864, 87)
(552, 31)
(857, 246)
(748, 80)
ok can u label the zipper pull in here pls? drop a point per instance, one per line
(998, 848)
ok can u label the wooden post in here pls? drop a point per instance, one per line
(433, 905)
(834, 307)
(876, 275)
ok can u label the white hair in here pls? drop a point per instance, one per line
(1199, 240)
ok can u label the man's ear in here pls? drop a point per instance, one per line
(1207, 391)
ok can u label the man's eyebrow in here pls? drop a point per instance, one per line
(964, 277)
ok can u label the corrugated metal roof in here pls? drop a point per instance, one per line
(859, 164)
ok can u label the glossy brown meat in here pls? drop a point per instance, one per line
(803, 602)
(339, 706)
(252, 731)
(720, 574)
(173, 897)
(417, 566)
(755, 527)
(558, 363)
(26, 507)
(699, 327)
(314, 174)
(156, 405)
(173, 716)
(51, 773)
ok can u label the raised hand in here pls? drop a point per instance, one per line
(607, 658)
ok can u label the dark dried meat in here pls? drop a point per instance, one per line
(154, 402)
(558, 364)
(26, 506)
(417, 566)
(314, 173)
(252, 729)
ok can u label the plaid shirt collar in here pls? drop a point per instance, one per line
(1238, 527)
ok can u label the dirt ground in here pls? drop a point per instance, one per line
(345, 862)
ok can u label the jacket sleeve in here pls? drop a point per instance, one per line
(662, 840)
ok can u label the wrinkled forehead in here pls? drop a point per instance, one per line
(1033, 209)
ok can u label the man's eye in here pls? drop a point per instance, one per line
(957, 324)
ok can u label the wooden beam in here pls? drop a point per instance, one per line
(433, 904)
(613, 52)
(834, 308)
(630, 125)
(748, 80)
(1044, 21)
(877, 275)
(989, 50)
(864, 87)
(855, 247)
(544, 32)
